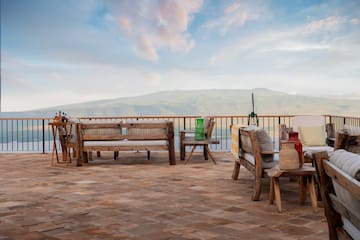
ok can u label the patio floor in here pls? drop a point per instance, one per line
(134, 198)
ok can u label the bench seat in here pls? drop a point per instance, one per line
(123, 143)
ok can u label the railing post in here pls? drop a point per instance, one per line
(43, 135)
(344, 120)
(184, 123)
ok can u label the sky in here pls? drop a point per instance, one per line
(56, 52)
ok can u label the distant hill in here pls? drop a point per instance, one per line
(201, 102)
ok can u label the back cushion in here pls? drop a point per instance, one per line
(312, 136)
(350, 164)
(351, 130)
(263, 139)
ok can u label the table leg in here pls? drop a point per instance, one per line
(272, 193)
(277, 193)
(302, 189)
(312, 193)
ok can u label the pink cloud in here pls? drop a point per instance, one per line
(162, 24)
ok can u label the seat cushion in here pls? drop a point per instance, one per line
(309, 151)
(265, 165)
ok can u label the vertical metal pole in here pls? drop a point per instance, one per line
(43, 135)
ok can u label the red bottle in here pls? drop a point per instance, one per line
(294, 137)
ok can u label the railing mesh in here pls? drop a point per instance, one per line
(34, 134)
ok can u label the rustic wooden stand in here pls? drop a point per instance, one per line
(306, 175)
(64, 131)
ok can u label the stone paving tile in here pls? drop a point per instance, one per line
(135, 198)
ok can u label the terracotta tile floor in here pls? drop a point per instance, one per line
(138, 199)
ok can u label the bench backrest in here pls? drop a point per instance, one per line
(126, 130)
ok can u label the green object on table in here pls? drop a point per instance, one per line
(199, 129)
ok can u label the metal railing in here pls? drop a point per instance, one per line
(34, 134)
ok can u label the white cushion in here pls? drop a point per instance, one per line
(309, 151)
(350, 164)
(347, 161)
(351, 130)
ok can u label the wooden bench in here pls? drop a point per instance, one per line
(125, 136)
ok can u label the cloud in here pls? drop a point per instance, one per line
(317, 35)
(331, 23)
(153, 25)
(146, 49)
(237, 15)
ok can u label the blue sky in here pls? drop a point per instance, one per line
(56, 52)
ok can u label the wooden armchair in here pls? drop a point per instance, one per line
(190, 141)
(339, 177)
(256, 155)
(314, 133)
(348, 138)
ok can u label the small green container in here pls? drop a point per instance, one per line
(199, 129)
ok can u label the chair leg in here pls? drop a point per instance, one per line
(236, 170)
(148, 154)
(257, 189)
(210, 154)
(206, 153)
(190, 154)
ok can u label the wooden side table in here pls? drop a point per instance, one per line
(306, 175)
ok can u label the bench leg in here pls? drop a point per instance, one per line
(182, 146)
(148, 154)
(116, 155)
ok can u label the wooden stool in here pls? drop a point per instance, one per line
(306, 175)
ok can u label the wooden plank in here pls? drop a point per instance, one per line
(343, 179)
(92, 137)
(99, 125)
(344, 211)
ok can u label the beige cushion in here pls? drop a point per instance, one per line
(312, 135)
(264, 140)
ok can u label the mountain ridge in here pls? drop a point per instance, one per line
(211, 102)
